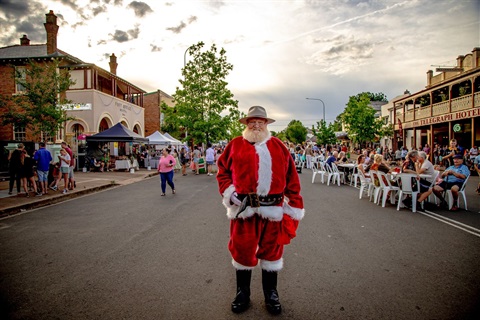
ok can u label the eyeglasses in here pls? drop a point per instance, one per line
(256, 123)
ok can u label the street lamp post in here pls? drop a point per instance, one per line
(185, 58)
(322, 104)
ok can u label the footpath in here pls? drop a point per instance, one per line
(86, 182)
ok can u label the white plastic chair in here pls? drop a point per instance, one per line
(330, 174)
(319, 168)
(461, 192)
(434, 182)
(386, 189)
(406, 188)
(339, 176)
(375, 187)
(355, 176)
(365, 184)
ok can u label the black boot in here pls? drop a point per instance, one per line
(242, 299)
(269, 282)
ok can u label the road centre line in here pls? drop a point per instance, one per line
(451, 222)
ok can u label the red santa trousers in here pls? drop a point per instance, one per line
(254, 239)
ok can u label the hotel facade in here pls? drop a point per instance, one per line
(448, 108)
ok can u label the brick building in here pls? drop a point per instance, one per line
(100, 98)
(152, 102)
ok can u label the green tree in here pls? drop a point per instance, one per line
(296, 132)
(169, 126)
(337, 124)
(280, 135)
(42, 107)
(235, 128)
(373, 96)
(359, 119)
(204, 106)
(325, 134)
(385, 131)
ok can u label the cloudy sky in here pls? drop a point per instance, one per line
(282, 51)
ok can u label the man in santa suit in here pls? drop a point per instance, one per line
(261, 191)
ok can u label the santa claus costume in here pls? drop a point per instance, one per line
(263, 177)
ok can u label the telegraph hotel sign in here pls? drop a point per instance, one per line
(459, 115)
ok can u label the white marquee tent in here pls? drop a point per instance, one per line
(158, 138)
(176, 142)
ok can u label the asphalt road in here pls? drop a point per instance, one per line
(127, 253)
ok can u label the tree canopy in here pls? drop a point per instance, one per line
(204, 107)
(325, 134)
(296, 132)
(39, 108)
(359, 119)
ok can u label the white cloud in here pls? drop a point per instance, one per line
(282, 51)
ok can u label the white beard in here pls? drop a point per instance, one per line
(255, 136)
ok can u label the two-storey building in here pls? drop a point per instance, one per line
(100, 98)
(448, 107)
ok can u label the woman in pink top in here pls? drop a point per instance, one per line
(165, 167)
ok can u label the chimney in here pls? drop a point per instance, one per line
(460, 61)
(52, 29)
(476, 57)
(113, 64)
(24, 41)
(429, 78)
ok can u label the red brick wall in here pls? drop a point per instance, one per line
(151, 103)
(7, 82)
(7, 87)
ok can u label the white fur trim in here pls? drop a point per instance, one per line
(274, 213)
(231, 208)
(264, 168)
(239, 266)
(295, 213)
(272, 265)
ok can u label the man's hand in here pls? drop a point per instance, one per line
(234, 199)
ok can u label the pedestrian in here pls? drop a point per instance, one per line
(183, 160)
(209, 158)
(453, 150)
(64, 159)
(260, 187)
(27, 174)
(43, 158)
(14, 166)
(165, 168)
(57, 176)
(308, 156)
(178, 165)
(71, 177)
(196, 158)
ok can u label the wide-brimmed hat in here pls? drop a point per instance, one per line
(256, 112)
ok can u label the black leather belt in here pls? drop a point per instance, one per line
(254, 200)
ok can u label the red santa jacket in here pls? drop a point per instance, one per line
(264, 168)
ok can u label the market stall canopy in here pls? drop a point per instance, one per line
(158, 138)
(175, 141)
(117, 133)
